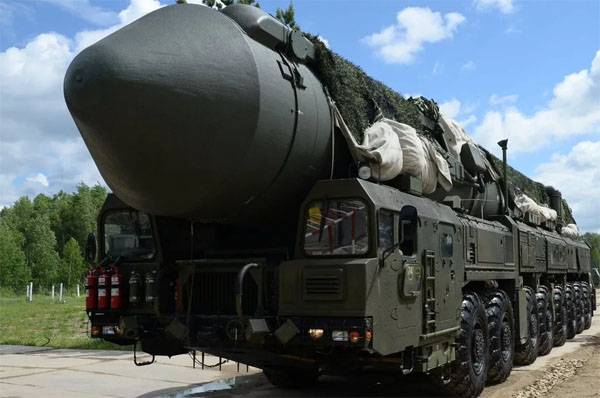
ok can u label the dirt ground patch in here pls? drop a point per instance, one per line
(586, 381)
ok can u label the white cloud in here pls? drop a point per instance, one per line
(468, 121)
(469, 66)
(501, 100)
(573, 110)
(416, 26)
(504, 6)
(11, 10)
(450, 108)
(37, 135)
(85, 10)
(577, 175)
(135, 10)
(456, 110)
(40, 178)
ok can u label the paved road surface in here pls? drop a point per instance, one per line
(44, 372)
(48, 373)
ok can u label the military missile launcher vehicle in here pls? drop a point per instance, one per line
(273, 205)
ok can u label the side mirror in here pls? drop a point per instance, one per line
(90, 248)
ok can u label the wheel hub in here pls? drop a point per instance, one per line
(506, 341)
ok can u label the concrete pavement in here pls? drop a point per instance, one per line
(62, 373)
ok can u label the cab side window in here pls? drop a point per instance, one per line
(408, 230)
(386, 229)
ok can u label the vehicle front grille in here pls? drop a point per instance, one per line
(213, 294)
(323, 284)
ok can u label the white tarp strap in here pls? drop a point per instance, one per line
(528, 205)
(570, 230)
(455, 135)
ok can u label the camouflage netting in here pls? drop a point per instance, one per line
(355, 93)
(357, 96)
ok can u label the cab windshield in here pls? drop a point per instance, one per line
(128, 234)
(336, 227)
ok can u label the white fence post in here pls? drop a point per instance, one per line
(60, 297)
(30, 291)
(78, 290)
(27, 292)
(52, 292)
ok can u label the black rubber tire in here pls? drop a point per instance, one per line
(526, 354)
(467, 375)
(587, 305)
(571, 313)
(560, 319)
(499, 311)
(579, 317)
(546, 325)
(291, 378)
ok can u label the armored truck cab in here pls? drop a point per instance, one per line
(360, 280)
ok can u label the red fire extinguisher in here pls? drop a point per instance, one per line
(104, 289)
(91, 299)
(116, 289)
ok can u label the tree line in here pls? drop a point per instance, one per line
(593, 240)
(42, 239)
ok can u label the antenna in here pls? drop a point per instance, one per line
(504, 145)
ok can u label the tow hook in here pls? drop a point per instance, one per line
(144, 363)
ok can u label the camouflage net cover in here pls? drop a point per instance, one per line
(359, 98)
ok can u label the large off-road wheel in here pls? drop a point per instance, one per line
(526, 354)
(501, 332)
(579, 316)
(560, 318)
(546, 324)
(467, 375)
(587, 305)
(571, 313)
(291, 378)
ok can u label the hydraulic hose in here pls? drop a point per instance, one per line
(239, 287)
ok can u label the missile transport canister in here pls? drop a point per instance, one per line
(263, 213)
(208, 123)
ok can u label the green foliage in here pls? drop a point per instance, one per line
(356, 94)
(593, 240)
(287, 16)
(40, 250)
(72, 264)
(47, 234)
(14, 272)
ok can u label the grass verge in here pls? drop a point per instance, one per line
(44, 322)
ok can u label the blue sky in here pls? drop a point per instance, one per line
(527, 70)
